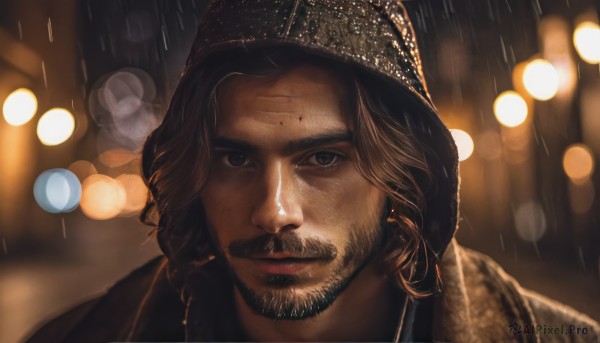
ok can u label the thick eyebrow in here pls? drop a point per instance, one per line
(331, 137)
(292, 147)
(235, 144)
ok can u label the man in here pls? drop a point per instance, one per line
(306, 190)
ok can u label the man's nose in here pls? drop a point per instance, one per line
(278, 204)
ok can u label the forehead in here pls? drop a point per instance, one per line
(302, 101)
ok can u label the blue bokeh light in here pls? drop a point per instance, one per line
(57, 191)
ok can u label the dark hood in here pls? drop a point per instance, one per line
(375, 36)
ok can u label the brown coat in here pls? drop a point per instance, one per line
(479, 303)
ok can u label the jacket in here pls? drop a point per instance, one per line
(478, 301)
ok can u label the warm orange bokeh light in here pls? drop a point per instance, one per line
(541, 79)
(82, 169)
(116, 157)
(55, 126)
(102, 197)
(135, 191)
(464, 143)
(510, 109)
(19, 107)
(578, 163)
(587, 41)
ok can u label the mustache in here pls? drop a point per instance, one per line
(288, 243)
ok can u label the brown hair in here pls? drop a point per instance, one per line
(177, 155)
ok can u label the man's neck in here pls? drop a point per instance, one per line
(368, 309)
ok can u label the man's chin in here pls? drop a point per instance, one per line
(281, 299)
(292, 297)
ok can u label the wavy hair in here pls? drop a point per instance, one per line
(176, 160)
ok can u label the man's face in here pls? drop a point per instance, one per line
(284, 202)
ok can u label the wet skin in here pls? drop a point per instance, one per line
(284, 167)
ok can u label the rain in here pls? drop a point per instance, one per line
(527, 198)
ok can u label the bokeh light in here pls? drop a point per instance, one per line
(57, 190)
(587, 41)
(114, 158)
(135, 191)
(510, 109)
(581, 196)
(102, 197)
(578, 163)
(121, 94)
(541, 79)
(122, 105)
(530, 221)
(82, 169)
(489, 145)
(19, 107)
(464, 143)
(55, 126)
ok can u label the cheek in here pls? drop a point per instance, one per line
(225, 206)
(341, 204)
(348, 196)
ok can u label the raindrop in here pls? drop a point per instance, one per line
(84, 70)
(50, 35)
(446, 10)
(44, 73)
(504, 56)
(164, 38)
(89, 11)
(4, 246)
(545, 146)
(180, 22)
(490, 10)
(508, 5)
(537, 8)
(64, 228)
(452, 10)
(537, 250)
(20, 30)
(581, 259)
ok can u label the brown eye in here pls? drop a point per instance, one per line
(235, 159)
(324, 159)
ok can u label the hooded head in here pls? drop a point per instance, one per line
(400, 148)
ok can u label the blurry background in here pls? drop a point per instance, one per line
(82, 83)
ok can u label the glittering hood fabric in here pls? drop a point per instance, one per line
(373, 35)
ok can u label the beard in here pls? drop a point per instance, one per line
(283, 298)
